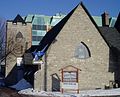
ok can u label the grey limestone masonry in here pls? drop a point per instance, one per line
(94, 70)
(16, 45)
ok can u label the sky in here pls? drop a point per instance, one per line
(10, 8)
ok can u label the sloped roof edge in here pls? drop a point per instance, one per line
(117, 24)
(91, 18)
(18, 18)
(51, 35)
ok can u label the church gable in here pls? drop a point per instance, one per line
(80, 28)
(81, 34)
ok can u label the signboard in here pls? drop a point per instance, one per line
(69, 85)
(69, 78)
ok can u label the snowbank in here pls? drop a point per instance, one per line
(22, 84)
(109, 92)
(30, 91)
(85, 93)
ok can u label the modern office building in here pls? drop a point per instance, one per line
(41, 24)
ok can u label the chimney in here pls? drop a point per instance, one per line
(105, 19)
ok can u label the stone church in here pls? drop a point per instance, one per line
(77, 41)
(76, 46)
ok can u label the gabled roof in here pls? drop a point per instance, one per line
(112, 36)
(117, 24)
(51, 35)
(70, 66)
(18, 18)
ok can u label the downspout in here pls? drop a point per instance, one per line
(45, 72)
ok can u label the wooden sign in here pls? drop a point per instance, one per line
(69, 78)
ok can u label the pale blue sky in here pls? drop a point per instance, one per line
(10, 8)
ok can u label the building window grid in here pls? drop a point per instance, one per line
(39, 27)
(37, 38)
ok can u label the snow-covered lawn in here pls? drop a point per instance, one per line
(26, 88)
(85, 93)
(22, 84)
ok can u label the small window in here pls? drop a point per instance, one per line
(39, 27)
(37, 38)
(19, 36)
(82, 51)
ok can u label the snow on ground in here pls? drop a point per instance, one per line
(109, 92)
(85, 93)
(22, 84)
(30, 91)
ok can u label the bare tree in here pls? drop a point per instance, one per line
(15, 46)
(11, 45)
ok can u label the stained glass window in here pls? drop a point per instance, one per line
(82, 51)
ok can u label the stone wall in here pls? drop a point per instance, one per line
(94, 70)
(16, 46)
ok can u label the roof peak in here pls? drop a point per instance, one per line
(18, 18)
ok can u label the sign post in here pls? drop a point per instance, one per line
(69, 79)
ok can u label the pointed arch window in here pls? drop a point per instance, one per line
(82, 51)
(19, 36)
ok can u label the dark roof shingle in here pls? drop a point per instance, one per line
(18, 18)
(117, 24)
(111, 35)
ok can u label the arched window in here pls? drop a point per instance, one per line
(82, 51)
(19, 36)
